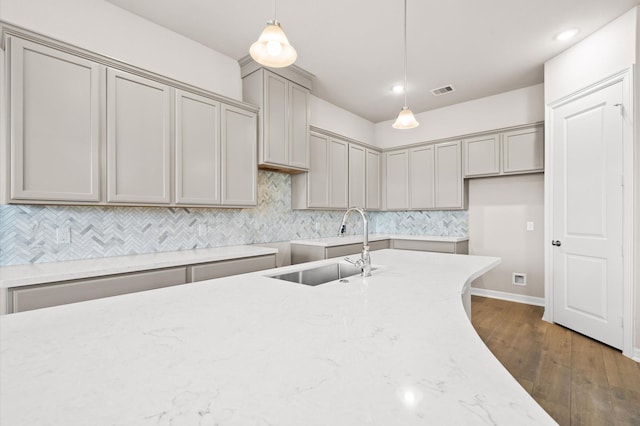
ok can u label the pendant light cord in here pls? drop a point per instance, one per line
(275, 10)
(405, 53)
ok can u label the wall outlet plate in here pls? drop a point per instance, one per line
(63, 235)
(519, 279)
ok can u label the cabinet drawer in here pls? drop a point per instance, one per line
(208, 271)
(64, 292)
(435, 246)
(356, 248)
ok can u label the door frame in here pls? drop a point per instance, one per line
(628, 273)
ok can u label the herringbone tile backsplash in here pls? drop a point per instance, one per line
(28, 233)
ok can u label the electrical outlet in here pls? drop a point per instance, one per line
(202, 230)
(530, 226)
(63, 235)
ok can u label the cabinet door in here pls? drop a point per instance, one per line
(357, 167)
(239, 157)
(482, 156)
(318, 176)
(523, 150)
(397, 179)
(373, 180)
(55, 124)
(298, 126)
(197, 130)
(338, 174)
(421, 177)
(275, 128)
(449, 182)
(138, 139)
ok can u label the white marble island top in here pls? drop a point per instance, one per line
(392, 349)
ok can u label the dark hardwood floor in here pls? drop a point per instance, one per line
(577, 380)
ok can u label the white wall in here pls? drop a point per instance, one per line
(499, 209)
(604, 53)
(335, 119)
(522, 106)
(106, 29)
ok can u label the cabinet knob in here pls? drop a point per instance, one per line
(556, 243)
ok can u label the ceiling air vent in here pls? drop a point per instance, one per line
(442, 90)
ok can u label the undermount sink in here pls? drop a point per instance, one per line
(320, 274)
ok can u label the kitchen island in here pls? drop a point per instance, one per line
(395, 348)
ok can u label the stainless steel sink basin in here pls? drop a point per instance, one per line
(320, 274)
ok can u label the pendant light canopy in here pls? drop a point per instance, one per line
(272, 48)
(405, 119)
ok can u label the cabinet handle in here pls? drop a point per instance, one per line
(556, 243)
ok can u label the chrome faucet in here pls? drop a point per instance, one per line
(364, 262)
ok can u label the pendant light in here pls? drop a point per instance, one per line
(405, 119)
(272, 48)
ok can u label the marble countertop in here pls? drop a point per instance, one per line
(395, 348)
(351, 239)
(38, 273)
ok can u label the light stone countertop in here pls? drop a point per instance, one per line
(395, 348)
(38, 273)
(351, 239)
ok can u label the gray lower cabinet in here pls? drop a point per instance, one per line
(208, 271)
(54, 102)
(64, 292)
(61, 293)
(301, 253)
(461, 247)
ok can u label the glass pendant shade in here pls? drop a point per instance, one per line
(405, 120)
(272, 48)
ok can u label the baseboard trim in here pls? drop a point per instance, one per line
(636, 355)
(519, 298)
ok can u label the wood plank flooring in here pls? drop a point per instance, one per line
(577, 380)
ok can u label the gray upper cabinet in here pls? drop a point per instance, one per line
(86, 129)
(138, 139)
(425, 177)
(338, 174)
(284, 120)
(516, 151)
(239, 171)
(54, 125)
(523, 150)
(357, 176)
(421, 177)
(197, 139)
(326, 185)
(373, 201)
(397, 179)
(449, 183)
(482, 155)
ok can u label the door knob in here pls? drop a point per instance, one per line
(556, 243)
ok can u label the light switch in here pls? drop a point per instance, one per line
(530, 226)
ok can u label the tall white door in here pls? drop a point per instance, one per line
(587, 158)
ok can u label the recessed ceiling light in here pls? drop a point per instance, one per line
(398, 89)
(566, 35)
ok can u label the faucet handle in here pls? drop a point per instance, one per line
(357, 263)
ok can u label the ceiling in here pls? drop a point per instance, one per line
(354, 47)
